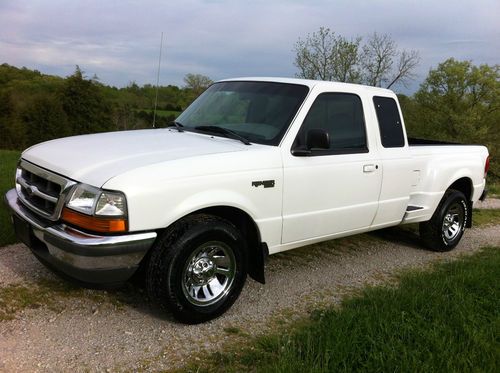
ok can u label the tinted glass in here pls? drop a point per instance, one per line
(259, 111)
(341, 115)
(389, 122)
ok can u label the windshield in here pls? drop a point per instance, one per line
(257, 111)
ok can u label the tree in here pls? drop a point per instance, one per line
(378, 60)
(461, 99)
(44, 119)
(327, 56)
(8, 138)
(85, 106)
(460, 102)
(197, 83)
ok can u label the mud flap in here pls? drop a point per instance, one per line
(258, 263)
(468, 223)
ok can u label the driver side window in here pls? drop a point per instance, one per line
(341, 116)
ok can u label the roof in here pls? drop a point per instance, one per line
(311, 83)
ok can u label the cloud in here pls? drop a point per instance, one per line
(119, 40)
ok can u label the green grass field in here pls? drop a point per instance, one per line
(8, 162)
(444, 320)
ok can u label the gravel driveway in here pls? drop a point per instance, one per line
(488, 203)
(115, 331)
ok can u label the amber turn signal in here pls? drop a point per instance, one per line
(93, 223)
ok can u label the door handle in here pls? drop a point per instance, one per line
(370, 167)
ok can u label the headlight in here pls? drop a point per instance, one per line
(83, 199)
(111, 204)
(93, 201)
(96, 210)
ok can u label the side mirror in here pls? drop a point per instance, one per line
(315, 139)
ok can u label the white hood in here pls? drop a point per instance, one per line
(94, 159)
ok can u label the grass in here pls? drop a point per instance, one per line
(493, 189)
(444, 320)
(485, 217)
(53, 294)
(8, 162)
(16, 297)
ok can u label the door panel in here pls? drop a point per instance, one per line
(395, 190)
(395, 160)
(336, 188)
(329, 194)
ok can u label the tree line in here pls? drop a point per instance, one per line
(36, 107)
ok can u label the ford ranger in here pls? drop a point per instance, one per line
(252, 167)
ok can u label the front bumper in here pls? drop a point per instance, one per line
(87, 258)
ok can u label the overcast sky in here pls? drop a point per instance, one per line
(119, 40)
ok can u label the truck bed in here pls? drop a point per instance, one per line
(413, 141)
(434, 163)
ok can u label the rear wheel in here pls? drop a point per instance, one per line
(198, 268)
(446, 227)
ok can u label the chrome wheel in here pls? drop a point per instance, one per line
(453, 221)
(209, 273)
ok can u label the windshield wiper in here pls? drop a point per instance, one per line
(177, 125)
(223, 131)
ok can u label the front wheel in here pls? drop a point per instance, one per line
(198, 268)
(446, 227)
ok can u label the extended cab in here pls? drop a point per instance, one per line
(253, 167)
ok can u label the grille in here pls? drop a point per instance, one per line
(40, 190)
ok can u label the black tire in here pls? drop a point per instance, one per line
(183, 268)
(440, 235)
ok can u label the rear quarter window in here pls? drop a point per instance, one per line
(389, 122)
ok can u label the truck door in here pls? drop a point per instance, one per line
(331, 190)
(395, 161)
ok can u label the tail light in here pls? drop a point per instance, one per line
(486, 166)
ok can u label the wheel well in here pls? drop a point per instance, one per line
(464, 185)
(257, 251)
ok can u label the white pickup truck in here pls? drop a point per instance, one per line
(253, 167)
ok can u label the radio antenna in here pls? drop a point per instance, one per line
(157, 81)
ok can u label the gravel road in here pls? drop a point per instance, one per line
(488, 203)
(115, 331)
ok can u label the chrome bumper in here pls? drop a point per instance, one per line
(82, 256)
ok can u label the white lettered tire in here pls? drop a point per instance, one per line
(446, 227)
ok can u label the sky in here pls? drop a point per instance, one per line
(119, 41)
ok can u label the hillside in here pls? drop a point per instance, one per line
(35, 107)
